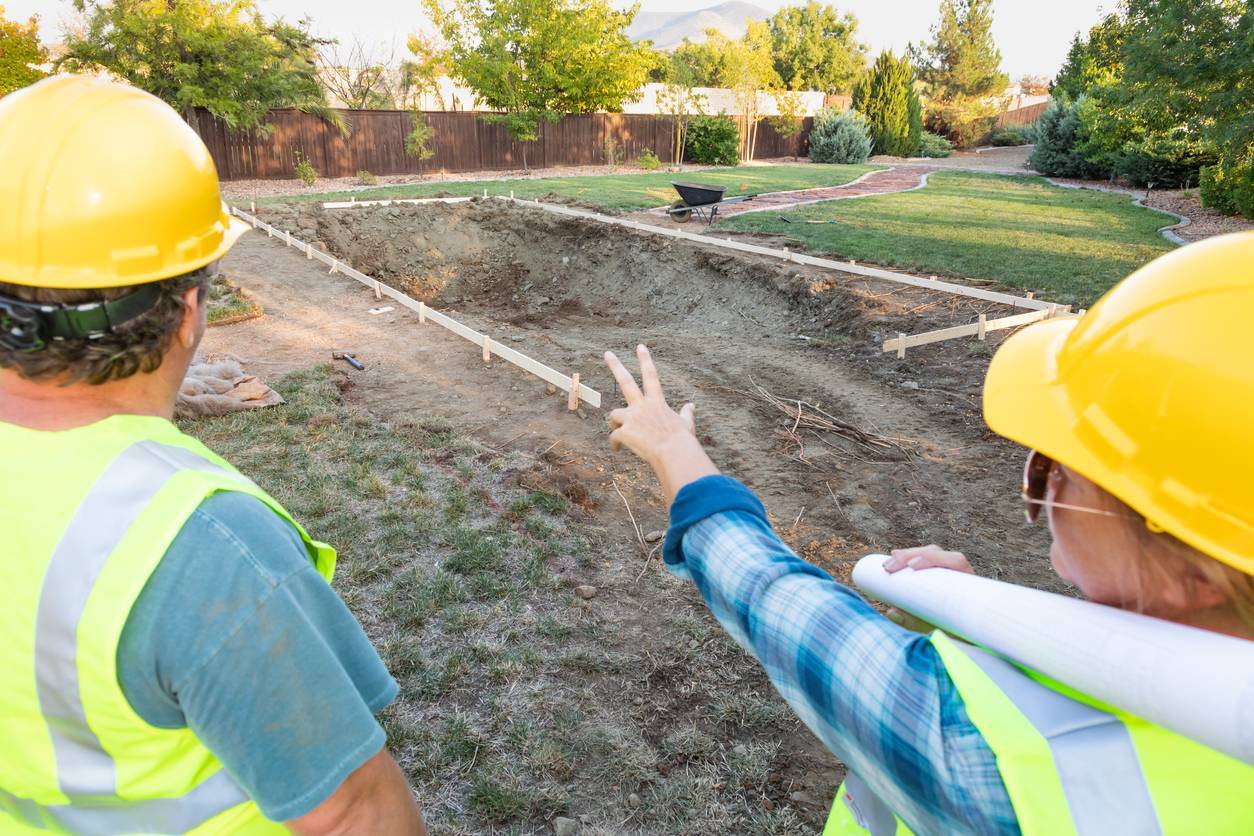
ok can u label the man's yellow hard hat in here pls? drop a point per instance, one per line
(103, 185)
(1151, 394)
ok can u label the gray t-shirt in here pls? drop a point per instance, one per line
(237, 637)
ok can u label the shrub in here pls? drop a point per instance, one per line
(714, 140)
(1058, 132)
(1003, 137)
(305, 170)
(887, 98)
(1228, 186)
(418, 140)
(648, 160)
(1166, 161)
(611, 151)
(840, 137)
(934, 145)
(365, 178)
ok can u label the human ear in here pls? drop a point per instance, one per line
(193, 325)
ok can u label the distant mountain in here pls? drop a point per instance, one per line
(667, 30)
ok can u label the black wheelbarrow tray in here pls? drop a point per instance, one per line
(701, 200)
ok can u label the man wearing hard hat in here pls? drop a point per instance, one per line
(1138, 420)
(174, 658)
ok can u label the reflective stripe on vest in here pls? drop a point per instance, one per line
(86, 773)
(1092, 750)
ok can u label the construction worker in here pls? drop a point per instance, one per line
(174, 658)
(1138, 421)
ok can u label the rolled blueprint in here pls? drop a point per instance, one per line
(1194, 682)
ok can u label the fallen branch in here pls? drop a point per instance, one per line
(803, 415)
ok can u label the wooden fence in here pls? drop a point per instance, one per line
(461, 141)
(1021, 117)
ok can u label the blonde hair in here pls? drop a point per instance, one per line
(1164, 559)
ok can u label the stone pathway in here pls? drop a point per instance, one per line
(884, 181)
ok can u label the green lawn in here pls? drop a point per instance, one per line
(1068, 245)
(616, 192)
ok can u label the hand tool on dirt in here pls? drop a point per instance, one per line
(702, 201)
(347, 357)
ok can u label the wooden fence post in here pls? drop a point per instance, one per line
(572, 403)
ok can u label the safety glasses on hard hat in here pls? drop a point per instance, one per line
(1037, 472)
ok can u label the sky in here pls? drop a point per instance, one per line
(1033, 36)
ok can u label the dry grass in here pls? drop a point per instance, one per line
(519, 702)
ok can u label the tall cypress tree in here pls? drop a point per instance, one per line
(962, 70)
(886, 97)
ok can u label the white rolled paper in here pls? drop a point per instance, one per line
(1194, 682)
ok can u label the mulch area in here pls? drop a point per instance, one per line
(1203, 222)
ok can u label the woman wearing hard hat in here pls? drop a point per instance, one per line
(1138, 420)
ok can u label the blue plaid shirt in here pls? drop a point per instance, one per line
(876, 694)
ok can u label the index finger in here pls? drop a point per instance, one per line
(648, 373)
(631, 392)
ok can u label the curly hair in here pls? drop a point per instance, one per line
(136, 346)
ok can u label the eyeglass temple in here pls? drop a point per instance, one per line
(1052, 504)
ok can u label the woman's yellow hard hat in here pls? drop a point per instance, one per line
(1151, 394)
(103, 185)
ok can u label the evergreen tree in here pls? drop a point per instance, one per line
(961, 68)
(886, 97)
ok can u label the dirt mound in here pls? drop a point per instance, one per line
(539, 267)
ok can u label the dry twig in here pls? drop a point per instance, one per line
(807, 416)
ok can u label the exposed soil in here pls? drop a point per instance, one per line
(564, 290)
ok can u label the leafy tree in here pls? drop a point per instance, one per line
(357, 76)
(701, 63)
(681, 102)
(1093, 60)
(422, 75)
(788, 122)
(19, 52)
(217, 54)
(748, 70)
(961, 69)
(814, 48)
(538, 59)
(886, 97)
(418, 140)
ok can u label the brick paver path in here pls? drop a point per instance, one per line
(885, 181)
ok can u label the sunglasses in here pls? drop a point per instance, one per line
(1037, 472)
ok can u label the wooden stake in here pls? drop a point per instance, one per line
(309, 251)
(980, 334)
(901, 345)
(572, 403)
(1029, 295)
(335, 267)
(422, 313)
(252, 206)
(487, 349)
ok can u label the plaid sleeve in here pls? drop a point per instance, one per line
(877, 695)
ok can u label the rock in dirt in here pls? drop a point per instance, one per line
(654, 536)
(586, 592)
(550, 389)
(910, 384)
(633, 801)
(563, 826)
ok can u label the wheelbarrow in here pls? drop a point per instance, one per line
(703, 201)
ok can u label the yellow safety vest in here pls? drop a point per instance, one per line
(1072, 765)
(87, 515)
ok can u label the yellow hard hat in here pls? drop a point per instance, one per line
(1151, 394)
(103, 185)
